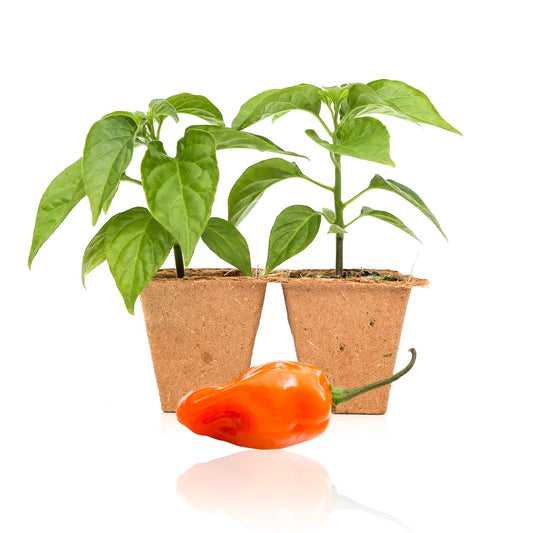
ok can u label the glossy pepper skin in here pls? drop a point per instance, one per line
(270, 406)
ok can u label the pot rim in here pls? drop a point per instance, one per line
(168, 275)
(380, 277)
(383, 277)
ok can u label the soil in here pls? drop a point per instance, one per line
(202, 273)
(360, 275)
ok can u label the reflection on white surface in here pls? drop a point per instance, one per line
(372, 428)
(268, 489)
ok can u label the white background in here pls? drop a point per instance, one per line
(85, 447)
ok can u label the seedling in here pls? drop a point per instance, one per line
(352, 132)
(179, 191)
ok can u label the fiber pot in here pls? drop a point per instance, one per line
(201, 328)
(349, 327)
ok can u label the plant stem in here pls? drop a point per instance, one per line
(339, 250)
(158, 130)
(178, 257)
(340, 395)
(355, 197)
(327, 187)
(325, 126)
(150, 126)
(339, 218)
(339, 206)
(352, 221)
(131, 180)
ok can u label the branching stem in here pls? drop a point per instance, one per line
(131, 180)
(327, 187)
(325, 126)
(158, 130)
(352, 221)
(150, 127)
(345, 204)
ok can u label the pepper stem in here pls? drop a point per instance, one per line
(340, 395)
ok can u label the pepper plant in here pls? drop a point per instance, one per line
(350, 131)
(179, 192)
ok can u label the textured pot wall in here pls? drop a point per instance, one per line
(200, 330)
(350, 330)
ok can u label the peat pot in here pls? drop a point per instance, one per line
(350, 328)
(201, 328)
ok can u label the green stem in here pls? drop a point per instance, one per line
(339, 206)
(327, 187)
(158, 129)
(150, 126)
(131, 180)
(339, 218)
(345, 204)
(178, 257)
(324, 125)
(352, 221)
(333, 113)
(340, 395)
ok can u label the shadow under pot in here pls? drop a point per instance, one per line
(350, 327)
(201, 328)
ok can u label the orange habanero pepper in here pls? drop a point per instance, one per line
(270, 406)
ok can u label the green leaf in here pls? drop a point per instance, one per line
(137, 116)
(363, 138)
(197, 105)
(334, 95)
(277, 116)
(406, 193)
(363, 100)
(334, 228)
(180, 191)
(254, 181)
(414, 103)
(329, 214)
(293, 230)
(304, 97)
(60, 197)
(229, 138)
(94, 254)
(386, 217)
(161, 109)
(226, 241)
(136, 246)
(107, 204)
(107, 154)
